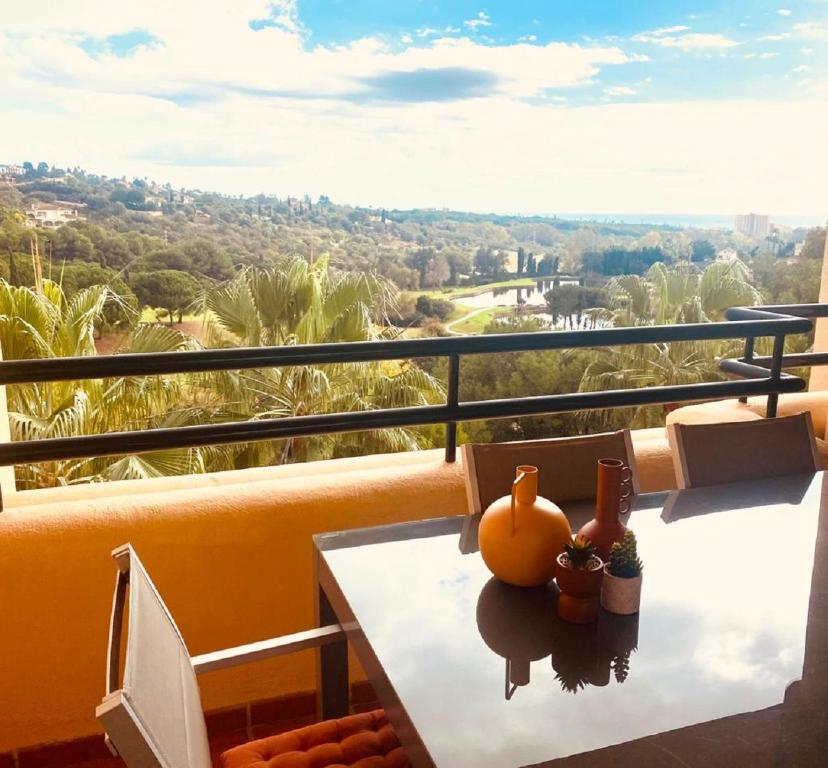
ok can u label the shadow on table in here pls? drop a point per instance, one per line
(693, 502)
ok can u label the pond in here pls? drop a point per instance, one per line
(512, 297)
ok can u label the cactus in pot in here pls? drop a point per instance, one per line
(621, 588)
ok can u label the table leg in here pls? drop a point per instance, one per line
(333, 690)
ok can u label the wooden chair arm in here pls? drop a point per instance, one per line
(266, 649)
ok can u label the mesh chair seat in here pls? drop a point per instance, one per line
(358, 741)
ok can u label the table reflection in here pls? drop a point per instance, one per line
(522, 627)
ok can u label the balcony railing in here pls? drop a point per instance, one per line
(758, 376)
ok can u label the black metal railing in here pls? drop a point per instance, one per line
(756, 378)
(761, 364)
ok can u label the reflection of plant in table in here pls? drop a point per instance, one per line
(571, 680)
(621, 666)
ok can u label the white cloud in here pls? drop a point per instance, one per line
(687, 42)
(808, 51)
(482, 20)
(768, 55)
(620, 90)
(784, 11)
(774, 38)
(240, 111)
(811, 30)
(801, 68)
(667, 30)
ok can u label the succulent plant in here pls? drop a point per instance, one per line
(580, 551)
(624, 561)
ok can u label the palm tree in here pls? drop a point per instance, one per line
(665, 295)
(296, 302)
(42, 323)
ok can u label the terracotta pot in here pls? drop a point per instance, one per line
(521, 534)
(578, 602)
(613, 492)
(618, 595)
(579, 582)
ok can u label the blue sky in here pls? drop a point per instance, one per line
(702, 107)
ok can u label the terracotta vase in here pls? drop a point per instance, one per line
(613, 492)
(521, 534)
(580, 588)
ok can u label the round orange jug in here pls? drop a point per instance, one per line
(521, 535)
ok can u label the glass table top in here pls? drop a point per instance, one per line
(490, 676)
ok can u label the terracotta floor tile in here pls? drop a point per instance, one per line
(226, 721)
(81, 752)
(279, 710)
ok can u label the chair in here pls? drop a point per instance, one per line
(155, 720)
(707, 454)
(567, 466)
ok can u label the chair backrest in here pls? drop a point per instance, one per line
(154, 720)
(707, 454)
(567, 466)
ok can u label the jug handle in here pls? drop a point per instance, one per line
(515, 484)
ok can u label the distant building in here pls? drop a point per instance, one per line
(10, 171)
(727, 254)
(753, 225)
(52, 215)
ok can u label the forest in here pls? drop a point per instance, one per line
(149, 268)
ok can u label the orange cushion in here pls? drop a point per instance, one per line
(358, 741)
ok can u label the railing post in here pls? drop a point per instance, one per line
(452, 399)
(775, 373)
(748, 357)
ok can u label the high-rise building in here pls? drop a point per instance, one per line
(753, 225)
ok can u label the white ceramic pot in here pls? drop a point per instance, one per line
(620, 595)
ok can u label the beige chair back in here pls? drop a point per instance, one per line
(567, 466)
(708, 454)
(154, 719)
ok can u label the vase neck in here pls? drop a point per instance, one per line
(608, 491)
(526, 490)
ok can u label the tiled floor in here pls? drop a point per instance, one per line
(226, 729)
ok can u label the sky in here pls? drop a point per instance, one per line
(534, 106)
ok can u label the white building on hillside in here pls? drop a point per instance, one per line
(11, 171)
(52, 215)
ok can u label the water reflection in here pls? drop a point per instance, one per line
(522, 626)
(513, 297)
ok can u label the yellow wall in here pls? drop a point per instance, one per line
(819, 375)
(230, 553)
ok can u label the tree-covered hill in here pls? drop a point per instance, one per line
(163, 245)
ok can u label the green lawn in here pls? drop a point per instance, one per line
(148, 316)
(478, 322)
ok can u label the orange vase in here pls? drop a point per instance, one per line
(521, 535)
(613, 491)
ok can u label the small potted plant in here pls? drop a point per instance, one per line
(621, 590)
(579, 574)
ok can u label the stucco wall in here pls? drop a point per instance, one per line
(231, 554)
(819, 375)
